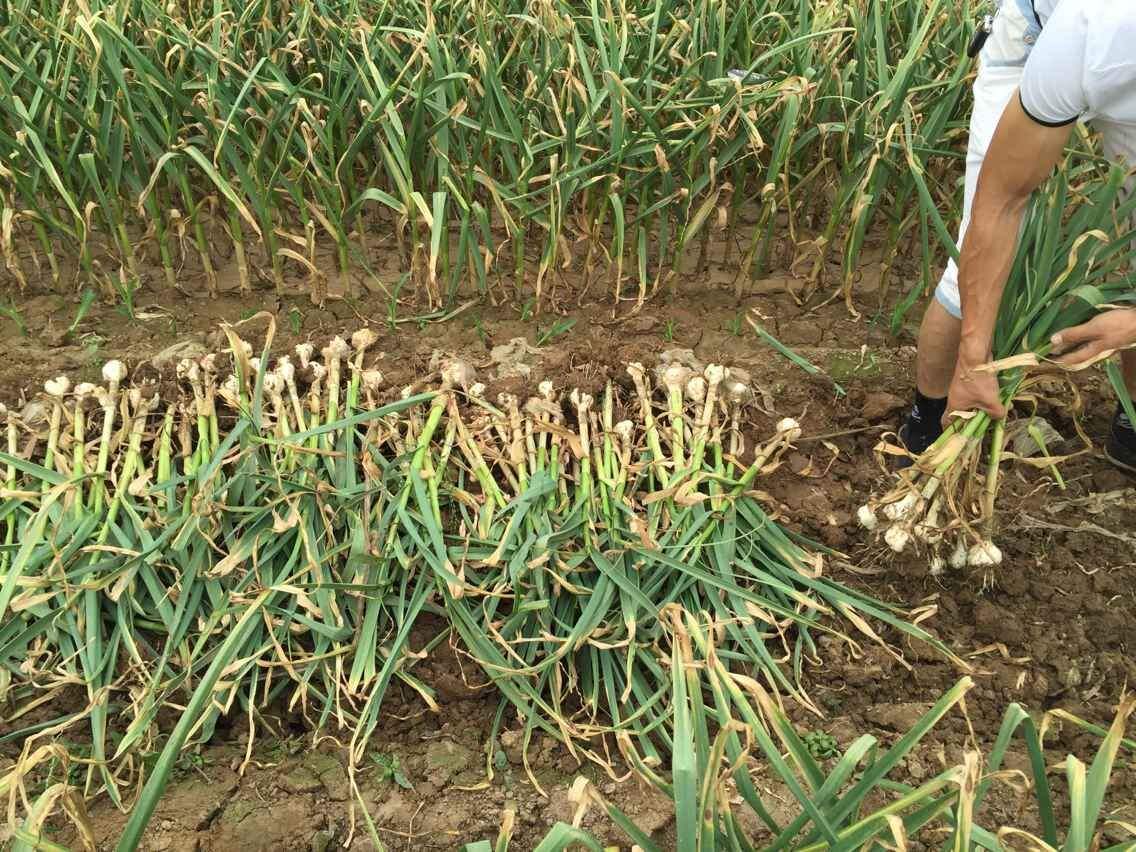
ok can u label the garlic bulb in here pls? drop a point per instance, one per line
(582, 401)
(285, 369)
(57, 387)
(114, 372)
(372, 380)
(363, 338)
(984, 555)
(959, 555)
(900, 509)
(897, 538)
(675, 377)
(337, 346)
(867, 518)
(715, 374)
(789, 428)
(696, 389)
(305, 351)
(458, 373)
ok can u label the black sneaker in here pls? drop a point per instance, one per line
(1120, 449)
(917, 435)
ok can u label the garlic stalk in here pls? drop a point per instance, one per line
(84, 391)
(675, 377)
(56, 389)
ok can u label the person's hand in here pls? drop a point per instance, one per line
(1098, 338)
(973, 390)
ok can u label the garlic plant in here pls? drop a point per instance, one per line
(1071, 264)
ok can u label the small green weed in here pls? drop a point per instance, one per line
(547, 335)
(126, 287)
(821, 745)
(13, 313)
(482, 335)
(85, 304)
(389, 768)
(669, 329)
(734, 326)
(192, 762)
(92, 348)
(392, 302)
(281, 749)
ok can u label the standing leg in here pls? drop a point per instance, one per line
(938, 350)
(1001, 70)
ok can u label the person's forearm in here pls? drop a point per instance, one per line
(987, 257)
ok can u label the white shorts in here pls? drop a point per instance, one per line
(1000, 70)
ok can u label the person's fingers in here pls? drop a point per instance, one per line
(990, 404)
(1081, 354)
(995, 409)
(949, 412)
(1075, 336)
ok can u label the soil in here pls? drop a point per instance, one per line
(1054, 628)
(293, 796)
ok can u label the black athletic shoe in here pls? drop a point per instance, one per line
(916, 435)
(1120, 449)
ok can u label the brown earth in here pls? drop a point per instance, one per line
(1054, 630)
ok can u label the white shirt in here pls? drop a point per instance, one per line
(1084, 62)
